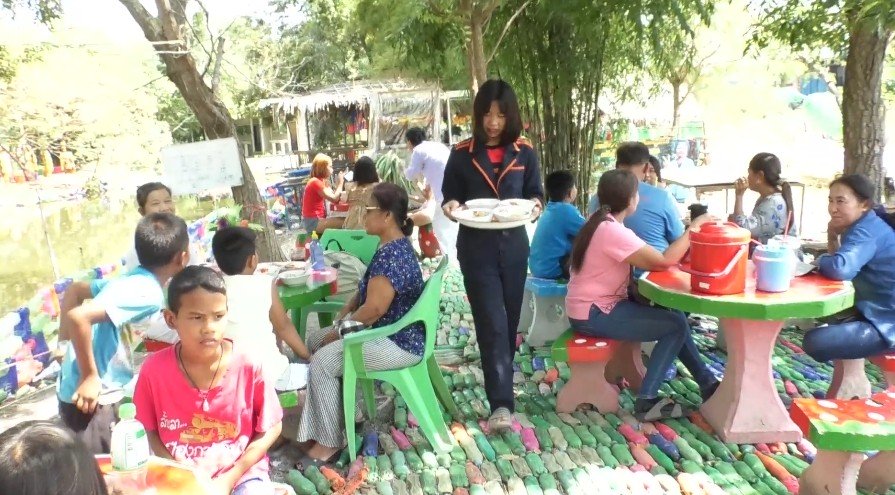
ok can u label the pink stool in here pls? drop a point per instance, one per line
(596, 365)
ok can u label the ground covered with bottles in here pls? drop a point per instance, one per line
(580, 453)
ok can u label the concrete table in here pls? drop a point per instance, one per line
(746, 407)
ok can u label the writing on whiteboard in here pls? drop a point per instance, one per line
(194, 168)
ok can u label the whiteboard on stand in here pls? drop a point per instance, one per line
(194, 168)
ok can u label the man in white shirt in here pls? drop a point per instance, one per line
(427, 160)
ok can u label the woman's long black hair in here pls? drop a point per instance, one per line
(615, 191)
(865, 190)
(770, 166)
(496, 90)
(393, 199)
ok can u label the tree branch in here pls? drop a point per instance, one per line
(489, 9)
(167, 18)
(506, 28)
(150, 25)
(216, 74)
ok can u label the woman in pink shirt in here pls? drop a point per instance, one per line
(597, 302)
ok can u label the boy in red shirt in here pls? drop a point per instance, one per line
(203, 402)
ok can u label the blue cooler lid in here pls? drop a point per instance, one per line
(772, 252)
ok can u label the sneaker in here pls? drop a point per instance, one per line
(501, 419)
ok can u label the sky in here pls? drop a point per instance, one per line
(112, 20)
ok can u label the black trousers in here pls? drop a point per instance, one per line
(494, 265)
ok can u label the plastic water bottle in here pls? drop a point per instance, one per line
(130, 445)
(317, 260)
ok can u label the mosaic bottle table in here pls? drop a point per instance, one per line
(746, 407)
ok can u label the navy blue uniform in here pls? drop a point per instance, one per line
(494, 262)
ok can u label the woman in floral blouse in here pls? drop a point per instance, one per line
(390, 287)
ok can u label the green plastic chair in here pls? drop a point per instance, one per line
(356, 242)
(421, 386)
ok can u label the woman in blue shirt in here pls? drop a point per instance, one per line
(861, 249)
(388, 290)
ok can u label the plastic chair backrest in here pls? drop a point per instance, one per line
(426, 308)
(356, 242)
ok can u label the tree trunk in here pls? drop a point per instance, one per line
(476, 52)
(862, 108)
(209, 110)
(470, 64)
(676, 98)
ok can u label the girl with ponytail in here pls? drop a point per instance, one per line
(774, 207)
(390, 287)
(602, 257)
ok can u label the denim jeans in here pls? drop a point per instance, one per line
(634, 322)
(309, 224)
(853, 339)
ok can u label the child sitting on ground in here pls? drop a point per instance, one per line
(557, 228)
(98, 359)
(45, 458)
(203, 402)
(256, 315)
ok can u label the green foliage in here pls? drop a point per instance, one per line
(7, 65)
(173, 110)
(562, 57)
(390, 168)
(818, 24)
(44, 11)
(326, 47)
(407, 37)
(104, 115)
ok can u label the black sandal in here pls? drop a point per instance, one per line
(663, 409)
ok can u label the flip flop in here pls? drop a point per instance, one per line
(664, 409)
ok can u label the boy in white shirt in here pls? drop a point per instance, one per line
(256, 316)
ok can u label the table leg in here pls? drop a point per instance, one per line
(720, 339)
(831, 473)
(746, 407)
(876, 473)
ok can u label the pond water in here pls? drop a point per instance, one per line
(83, 234)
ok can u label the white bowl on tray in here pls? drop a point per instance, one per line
(482, 203)
(512, 213)
(474, 215)
(294, 278)
(518, 203)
